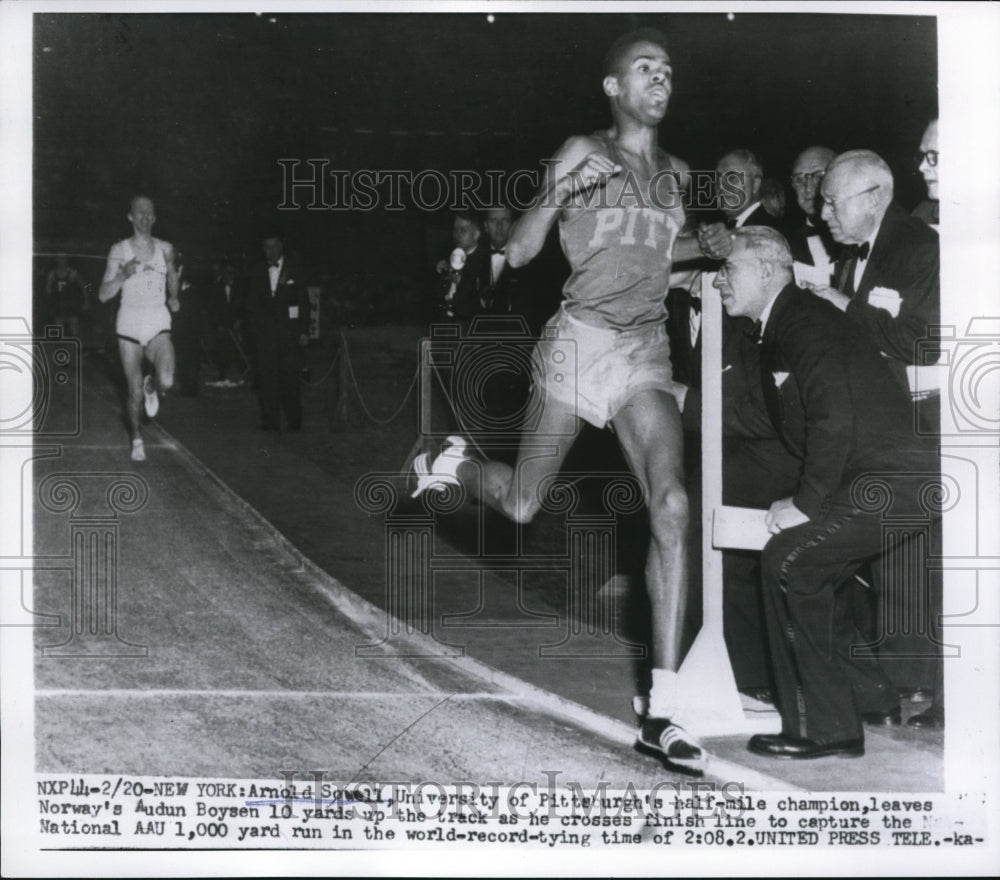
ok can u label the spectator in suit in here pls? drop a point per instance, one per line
(830, 396)
(888, 282)
(65, 296)
(931, 718)
(811, 241)
(463, 290)
(227, 309)
(187, 325)
(278, 315)
(740, 176)
(755, 463)
(930, 210)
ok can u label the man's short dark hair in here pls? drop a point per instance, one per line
(470, 217)
(613, 59)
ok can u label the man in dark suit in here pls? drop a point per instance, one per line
(810, 240)
(888, 283)
(462, 289)
(832, 400)
(888, 280)
(187, 326)
(227, 304)
(756, 467)
(278, 315)
(739, 175)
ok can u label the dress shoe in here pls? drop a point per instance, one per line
(777, 745)
(929, 719)
(892, 718)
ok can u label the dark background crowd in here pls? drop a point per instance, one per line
(198, 110)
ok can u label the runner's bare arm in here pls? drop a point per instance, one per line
(173, 303)
(115, 273)
(579, 165)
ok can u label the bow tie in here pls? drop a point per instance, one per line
(497, 250)
(859, 251)
(694, 304)
(756, 333)
(273, 265)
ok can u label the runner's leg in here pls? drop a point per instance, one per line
(131, 355)
(649, 430)
(160, 353)
(513, 491)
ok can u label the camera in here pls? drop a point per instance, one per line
(485, 384)
(40, 389)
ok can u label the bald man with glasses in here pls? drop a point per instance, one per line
(888, 278)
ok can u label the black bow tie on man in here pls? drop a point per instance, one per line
(857, 251)
(274, 265)
(496, 250)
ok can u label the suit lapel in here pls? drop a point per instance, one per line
(881, 249)
(769, 362)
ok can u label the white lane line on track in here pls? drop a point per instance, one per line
(125, 693)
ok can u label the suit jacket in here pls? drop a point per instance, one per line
(743, 412)
(225, 313)
(760, 217)
(798, 240)
(284, 315)
(905, 260)
(832, 399)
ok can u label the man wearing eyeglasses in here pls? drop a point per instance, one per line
(888, 279)
(832, 400)
(811, 241)
(929, 210)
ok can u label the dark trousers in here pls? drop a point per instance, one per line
(187, 351)
(278, 382)
(225, 354)
(821, 686)
(755, 472)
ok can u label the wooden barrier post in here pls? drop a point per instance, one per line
(712, 702)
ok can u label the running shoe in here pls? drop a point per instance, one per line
(443, 470)
(152, 401)
(673, 743)
(138, 450)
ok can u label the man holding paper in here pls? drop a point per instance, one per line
(832, 400)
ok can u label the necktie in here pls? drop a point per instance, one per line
(756, 333)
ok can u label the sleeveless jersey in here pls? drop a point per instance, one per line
(147, 288)
(618, 241)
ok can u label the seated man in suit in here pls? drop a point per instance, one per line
(811, 241)
(831, 398)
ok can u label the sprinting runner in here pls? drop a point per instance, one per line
(142, 269)
(616, 196)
